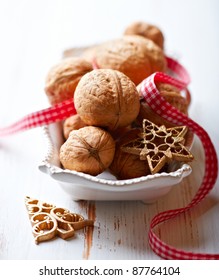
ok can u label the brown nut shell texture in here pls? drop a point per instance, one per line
(146, 30)
(106, 98)
(126, 165)
(135, 56)
(89, 150)
(63, 78)
(72, 123)
(171, 95)
(174, 97)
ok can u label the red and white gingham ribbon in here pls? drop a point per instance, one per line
(163, 108)
(47, 116)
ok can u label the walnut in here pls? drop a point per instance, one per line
(106, 98)
(146, 30)
(72, 123)
(88, 149)
(135, 56)
(90, 53)
(63, 78)
(173, 96)
(167, 88)
(126, 165)
(119, 132)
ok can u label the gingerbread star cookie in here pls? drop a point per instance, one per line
(159, 145)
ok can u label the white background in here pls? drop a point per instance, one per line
(33, 36)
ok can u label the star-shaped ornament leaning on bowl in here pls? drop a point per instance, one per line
(159, 145)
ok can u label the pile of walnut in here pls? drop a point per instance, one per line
(109, 108)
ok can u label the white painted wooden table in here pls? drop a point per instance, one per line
(33, 36)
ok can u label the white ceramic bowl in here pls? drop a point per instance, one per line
(105, 186)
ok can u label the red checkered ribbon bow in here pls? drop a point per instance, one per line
(160, 106)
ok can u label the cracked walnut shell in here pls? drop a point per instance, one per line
(106, 98)
(63, 78)
(89, 150)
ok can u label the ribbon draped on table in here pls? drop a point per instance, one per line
(153, 98)
(165, 110)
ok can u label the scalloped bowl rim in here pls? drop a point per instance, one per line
(68, 176)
